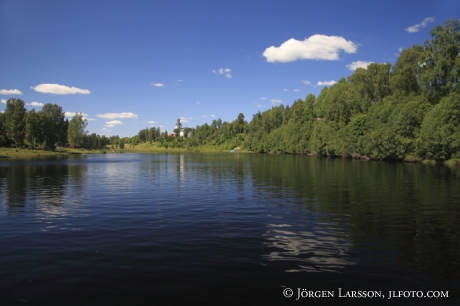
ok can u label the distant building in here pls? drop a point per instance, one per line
(183, 131)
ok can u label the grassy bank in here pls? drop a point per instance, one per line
(13, 153)
(154, 148)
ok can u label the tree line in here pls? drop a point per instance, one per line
(46, 129)
(408, 111)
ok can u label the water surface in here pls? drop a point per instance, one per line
(224, 229)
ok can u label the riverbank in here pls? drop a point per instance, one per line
(154, 148)
(13, 153)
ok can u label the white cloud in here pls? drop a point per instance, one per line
(276, 101)
(204, 116)
(118, 115)
(59, 89)
(285, 89)
(152, 122)
(306, 82)
(359, 64)
(213, 115)
(317, 47)
(107, 130)
(226, 71)
(400, 49)
(259, 105)
(416, 27)
(85, 116)
(296, 90)
(36, 104)
(198, 102)
(326, 83)
(10, 92)
(71, 114)
(3, 101)
(263, 98)
(183, 119)
(157, 85)
(113, 123)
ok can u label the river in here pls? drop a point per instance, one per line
(228, 229)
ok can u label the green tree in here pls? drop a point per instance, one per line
(15, 120)
(33, 132)
(405, 74)
(76, 129)
(55, 124)
(441, 66)
(440, 131)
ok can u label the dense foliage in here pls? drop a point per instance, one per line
(45, 129)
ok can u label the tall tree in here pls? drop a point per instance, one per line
(441, 67)
(32, 128)
(15, 120)
(405, 74)
(76, 129)
(56, 129)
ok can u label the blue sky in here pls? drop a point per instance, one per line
(128, 65)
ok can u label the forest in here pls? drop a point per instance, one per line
(46, 129)
(407, 111)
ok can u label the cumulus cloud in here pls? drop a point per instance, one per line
(157, 85)
(316, 47)
(326, 83)
(71, 114)
(10, 92)
(416, 27)
(358, 64)
(118, 115)
(306, 82)
(3, 101)
(36, 104)
(183, 119)
(113, 123)
(213, 115)
(107, 130)
(59, 89)
(276, 101)
(296, 90)
(224, 71)
(152, 122)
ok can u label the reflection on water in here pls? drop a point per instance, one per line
(52, 188)
(118, 226)
(310, 251)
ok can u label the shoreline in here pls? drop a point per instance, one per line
(14, 154)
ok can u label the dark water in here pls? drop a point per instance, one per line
(128, 229)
